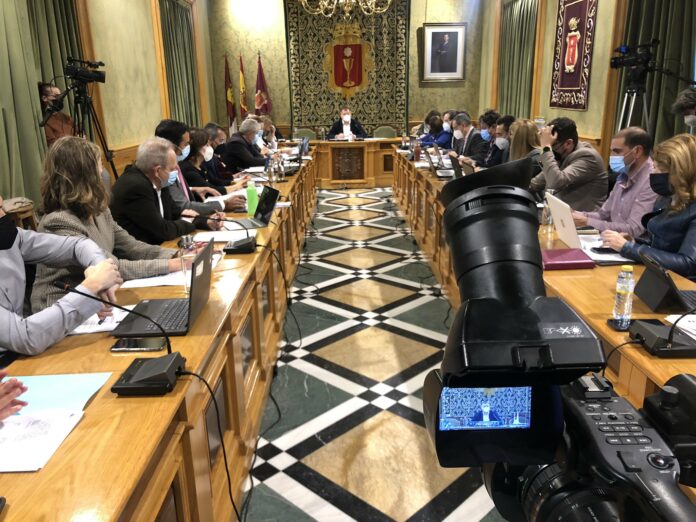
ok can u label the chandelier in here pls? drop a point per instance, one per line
(329, 7)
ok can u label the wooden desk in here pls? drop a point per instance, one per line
(355, 164)
(145, 458)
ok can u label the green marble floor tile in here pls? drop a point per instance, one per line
(309, 275)
(301, 398)
(416, 272)
(268, 506)
(402, 243)
(311, 319)
(434, 315)
(320, 223)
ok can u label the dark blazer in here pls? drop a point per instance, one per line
(135, 207)
(214, 169)
(199, 177)
(475, 148)
(494, 157)
(672, 241)
(355, 127)
(239, 154)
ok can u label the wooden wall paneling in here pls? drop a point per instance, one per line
(538, 58)
(159, 54)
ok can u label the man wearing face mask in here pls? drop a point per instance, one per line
(631, 198)
(447, 126)
(346, 127)
(141, 201)
(33, 334)
(241, 152)
(685, 105)
(572, 169)
(58, 124)
(499, 151)
(468, 143)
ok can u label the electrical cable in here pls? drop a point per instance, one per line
(611, 352)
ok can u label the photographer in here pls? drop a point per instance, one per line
(58, 124)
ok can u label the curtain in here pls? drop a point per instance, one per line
(674, 25)
(56, 37)
(179, 58)
(22, 141)
(516, 66)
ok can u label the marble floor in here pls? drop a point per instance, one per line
(351, 443)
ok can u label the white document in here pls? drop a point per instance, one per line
(306, 158)
(422, 165)
(255, 170)
(223, 236)
(69, 391)
(27, 442)
(92, 324)
(171, 279)
(590, 241)
(687, 324)
(239, 192)
(283, 204)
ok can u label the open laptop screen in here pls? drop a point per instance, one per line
(267, 202)
(200, 281)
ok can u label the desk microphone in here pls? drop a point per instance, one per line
(146, 375)
(241, 246)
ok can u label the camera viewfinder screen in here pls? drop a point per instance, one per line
(485, 408)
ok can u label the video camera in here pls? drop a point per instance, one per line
(513, 391)
(632, 56)
(84, 71)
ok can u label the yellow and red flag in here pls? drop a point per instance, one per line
(229, 97)
(243, 108)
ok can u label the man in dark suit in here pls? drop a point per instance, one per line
(468, 142)
(445, 55)
(240, 152)
(346, 127)
(486, 415)
(140, 200)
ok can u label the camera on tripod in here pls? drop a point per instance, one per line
(84, 71)
(633, 56)
(518, 392)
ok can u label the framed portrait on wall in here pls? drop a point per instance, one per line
(444, 49)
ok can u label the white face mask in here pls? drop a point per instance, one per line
(502, 143)
(207, 153)
(690, 120)
(446, 127)
(346, 119)
(458, 135)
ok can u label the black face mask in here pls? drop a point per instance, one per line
(57, 104)
(8, 232)
(219, 149)
(659, 183)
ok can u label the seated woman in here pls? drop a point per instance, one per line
(672, 231)
(270, 134)
(75, 203)
(424, 128)
(33, 334)
(195, 166)
(524, 143)
(437, 135)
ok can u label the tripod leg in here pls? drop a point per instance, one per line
(630, 110)
(108, 154)
(619, 125)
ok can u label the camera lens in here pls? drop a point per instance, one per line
(550, 494)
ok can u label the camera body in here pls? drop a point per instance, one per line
(84, 71)
(640, 55)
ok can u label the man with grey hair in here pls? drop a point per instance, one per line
(141, 202)
(685, 105)
(468, 142)
(240, 152)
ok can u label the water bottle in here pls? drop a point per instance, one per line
(624, 298)
(280, 174)
(252, 198)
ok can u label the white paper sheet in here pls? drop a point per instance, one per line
(223, 236)
(27, 442)
(69, 391)
(590, 241)
(91, 325)
(170, 279)
(257, 170)
(687, 324)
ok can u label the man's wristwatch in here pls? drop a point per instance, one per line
(546, 149)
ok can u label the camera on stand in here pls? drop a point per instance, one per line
(517, 392)
(84, 71)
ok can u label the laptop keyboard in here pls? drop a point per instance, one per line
(689, 297)
(173, 315)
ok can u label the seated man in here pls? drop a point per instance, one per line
(631, 198)
(240, 152)
(33, 334)
(217, 169)
(572, 169)
(499, 150)
(346, 127)
(141, 202)
(468, 142)
(58, 124)
(437, 135)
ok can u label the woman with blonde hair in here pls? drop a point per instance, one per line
(524, 140)
(672, 231)
(76, 203)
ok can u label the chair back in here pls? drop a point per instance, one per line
(384, 131)
(21, 211)
(305, 133)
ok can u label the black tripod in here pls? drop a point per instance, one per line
(86, 119)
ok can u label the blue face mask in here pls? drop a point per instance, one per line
(173, 175)
(616, 163)
(184, 153)
(485, 134)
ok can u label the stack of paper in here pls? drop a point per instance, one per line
(95, 325)
(687, 324)
(590, 241)
(30, 438)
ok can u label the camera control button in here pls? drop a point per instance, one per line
(660, 461)
(606, 428)
(644, 440)
(613, 417)
(635, 428)
(590, 408)
(628, 416)
(613, 440)
(628, 440)
(605, 408)
(597, 417)
(628, 459)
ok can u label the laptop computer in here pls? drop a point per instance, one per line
(174, 315)
(656, 289)
(563, 221)
(440, 173)
(264, 210)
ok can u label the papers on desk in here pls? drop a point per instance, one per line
(171, 279)
(590, 241)
(239, 192)
(422, 165)
(254, 170)
(30, 438)
(92, 324)
(687, 324)
(223, 236)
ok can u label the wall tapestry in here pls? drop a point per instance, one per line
(572, 59)
(361, 63)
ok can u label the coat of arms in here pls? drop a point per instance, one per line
(573, 39)
(348, 60)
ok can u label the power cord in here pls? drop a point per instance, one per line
(222, 438)
(611, 352)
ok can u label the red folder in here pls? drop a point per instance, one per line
(566, 259)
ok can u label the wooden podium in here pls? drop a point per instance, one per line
(355, 164)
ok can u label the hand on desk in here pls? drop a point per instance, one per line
(187, 212)
(235, 204)
(340, 136)
(9, 391)
(103, 277)
(613, 240)
(203, 192)
(579, 219)
(239, 183)
(214, 223)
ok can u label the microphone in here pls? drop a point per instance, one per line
(145, 376)
(241, 246)
(67, 288)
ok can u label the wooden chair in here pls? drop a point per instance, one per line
(21, 210)
(305, 133)
(384, 131)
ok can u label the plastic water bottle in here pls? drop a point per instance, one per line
(252, 198)
(624, 298)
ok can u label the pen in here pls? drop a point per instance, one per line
(101, 321)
